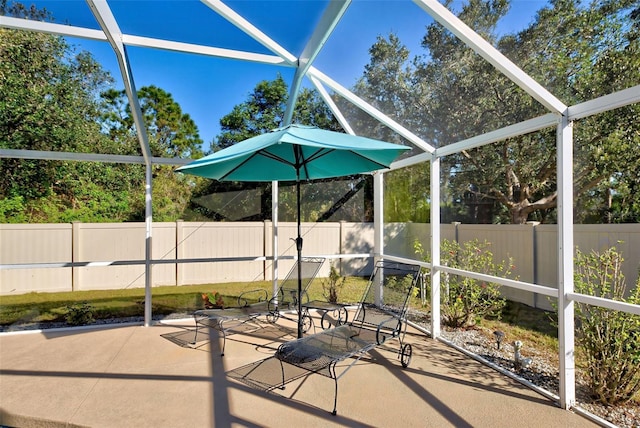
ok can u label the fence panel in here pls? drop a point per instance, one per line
(108, 242)
(220, 240)
(533, 248)
(625, 237)
(356, 238)
(35, 243)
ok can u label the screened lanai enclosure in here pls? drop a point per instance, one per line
(520, 115)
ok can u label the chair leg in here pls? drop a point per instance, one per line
(335, 395)
(224, 341)
(335, 398)
(195, 336)
(282, 369)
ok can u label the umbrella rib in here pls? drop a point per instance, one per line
(381, 165)
(301, 162)
(258, 153)
(274, 157)
(323, 152)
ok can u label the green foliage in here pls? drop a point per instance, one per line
(466, 300)
(261, 112)
(80, 314)
(576, 50)
(264, 111)
(610, 339)
(331, 285)
(12, 210)
(49, 100)
(407, 195)
(171, 133)
(56, 99)
(212, 300)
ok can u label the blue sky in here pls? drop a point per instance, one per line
(207, 88)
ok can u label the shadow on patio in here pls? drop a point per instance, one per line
(132, 376)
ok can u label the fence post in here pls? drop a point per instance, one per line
(179, 250)
(534, 252)
(456, 224)
(75, 254)
(269, 242)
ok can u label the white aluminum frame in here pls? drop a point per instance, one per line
(560, 116)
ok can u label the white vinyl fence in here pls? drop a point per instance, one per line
(85, 256)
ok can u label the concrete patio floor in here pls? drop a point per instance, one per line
(134, 376)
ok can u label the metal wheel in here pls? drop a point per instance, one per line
(405, 356)
(273, 316)
(306, 323)
(343, 316)
(325, 321)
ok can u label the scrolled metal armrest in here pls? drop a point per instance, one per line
(244, 301)
(383, 335)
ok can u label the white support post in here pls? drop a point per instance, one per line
(378, 224)
(109, 25)
(435, 246)
(378, 215)
(274, 236)
(148, 267)
(566, 329)
(330, 18)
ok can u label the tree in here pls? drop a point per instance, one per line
(595, 51)
(53, 98)
(49, 101)
(262, 112)
(388, 84)
(450, 93)
(470, 97)
(171, 133)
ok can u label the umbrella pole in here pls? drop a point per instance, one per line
(299, 249)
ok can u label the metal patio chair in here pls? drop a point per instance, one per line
(227, 319)
(379, 317)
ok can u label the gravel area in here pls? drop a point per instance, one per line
(540, 372)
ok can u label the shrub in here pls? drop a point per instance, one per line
(212, 300)
(332, 285)
(610, 339)
(80, 314)
(465, 300)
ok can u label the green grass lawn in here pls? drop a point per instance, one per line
(531, 325)
(53, 307)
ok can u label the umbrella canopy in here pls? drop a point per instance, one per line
(295, 153)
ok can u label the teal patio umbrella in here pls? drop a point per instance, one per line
(295, 153)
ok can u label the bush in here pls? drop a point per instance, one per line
(81, 314)
(465, 300)
(213, 300)
(332, 285)
(610, 339)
